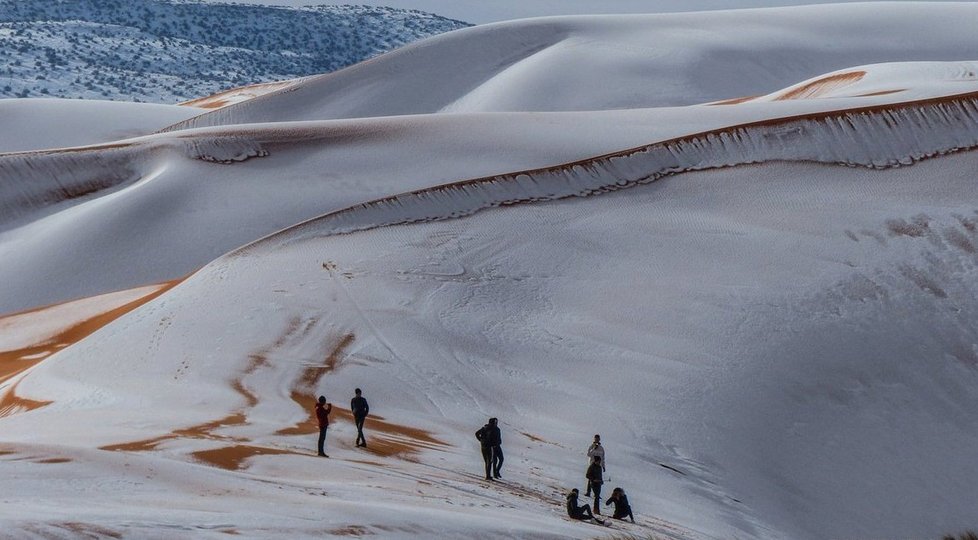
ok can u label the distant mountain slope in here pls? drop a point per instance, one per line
(161, 51)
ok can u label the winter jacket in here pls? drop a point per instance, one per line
(573, 510)
(359, 407)
(489, 436)
(594, 474)
(322, 414)
(622, 509)
(596, 450)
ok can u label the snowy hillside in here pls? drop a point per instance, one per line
(760, 290)
(165, 52)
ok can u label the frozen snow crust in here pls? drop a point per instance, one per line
(765, 305)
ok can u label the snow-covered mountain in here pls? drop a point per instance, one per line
(168, 51)
(758, 288)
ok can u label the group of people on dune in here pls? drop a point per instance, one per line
(492, 454)
(490, 438)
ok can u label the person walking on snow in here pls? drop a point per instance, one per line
(322, 415)
(581, 512)
(492, 451)
(622, 509)
(594, 481)
(360, 409)
(595, 451)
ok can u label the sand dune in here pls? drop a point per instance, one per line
(766, 309)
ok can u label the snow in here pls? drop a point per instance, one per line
(57, 123)
(764, 307)
(565, 63)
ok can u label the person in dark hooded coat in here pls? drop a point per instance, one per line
(579, 511)
(492, 451)
(622, 508)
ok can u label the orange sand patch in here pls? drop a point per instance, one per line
(882, 92)
(236, 95)
(200, 431)
(822, 86)
(206, 430)
(54, 460)
(88, 530)
(733, 101)
(11, 404)
(15, 362)
(304, 396)
(384, 438)
(232, 457)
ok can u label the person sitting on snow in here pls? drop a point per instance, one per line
(576, 511)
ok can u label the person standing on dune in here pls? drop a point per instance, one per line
(491, 440)
(322, 415)
(360, 409)
(595, 452)
(594, 481)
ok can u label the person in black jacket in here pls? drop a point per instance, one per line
(576, 511)
(622, 509)
(594, 480)
(360, 409)
(492, 451)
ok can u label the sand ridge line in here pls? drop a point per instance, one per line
(18, 361)
(822, 86)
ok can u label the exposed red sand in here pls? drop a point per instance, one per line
(207, 429)
(822, 86)
(53, 460)
(15, 362)
(88, 530)
(733, 101)
(222, 99)
(304, 393)
(384, 438)
(882, 92)
(200, 431)
(232, 457)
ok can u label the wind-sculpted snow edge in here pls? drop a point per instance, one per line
(875, 137)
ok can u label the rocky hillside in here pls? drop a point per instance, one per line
(167, 51)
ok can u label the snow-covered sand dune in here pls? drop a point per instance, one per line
(765, 308)
(61, 123)
(620, 62)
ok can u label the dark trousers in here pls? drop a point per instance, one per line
(322, 440)
(487, 457)
(497, 460)
(596, 489)
(583, 512)
(361, 440)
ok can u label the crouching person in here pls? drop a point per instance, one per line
(622, 508)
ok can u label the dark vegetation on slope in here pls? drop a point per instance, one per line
(967, 535)
(169, 51)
